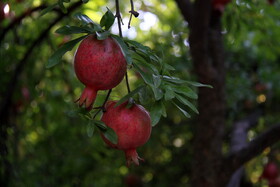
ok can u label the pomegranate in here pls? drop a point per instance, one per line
(270, 171)
(99, 65)
(132, 126)
(220, 4)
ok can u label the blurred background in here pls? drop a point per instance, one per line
(47, 142)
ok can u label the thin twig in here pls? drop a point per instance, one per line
(118, 15)
(103, 105)
(127, 83)
(132, 12)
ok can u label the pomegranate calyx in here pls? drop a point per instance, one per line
(132, 157)
(88, 97)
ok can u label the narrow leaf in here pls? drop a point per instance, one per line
(90, 129)
(85, 1)
(157, 80)
(146, 76)
(83, 18)
(101, 125)
(155, 113)
(186, 102)
(185, 90)
(169, 93)
(197, 84)
(125, 98)
(182, 110)
(163, 110)
(124, 48)
(111, 135)
(107, 19)
(67, 30)
(55, 58)
(157, 93)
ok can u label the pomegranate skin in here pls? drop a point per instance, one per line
(270, 171)
(132, 126)
(274, 182)
(99, 65)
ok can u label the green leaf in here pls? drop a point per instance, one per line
(174, 80)
(85, 1)
(185, 90)
(146, 76)
(157, 80)
(67, 30)
(107, 19)
(90, 129)
(102, 35)
(124, 48)
(197, 84)
(55, 58)
(145, 95)
(84, 19)
(163, 110)
(141, 61)
(48, 9)
(186, 102)
(111, 135)
(182, 110)
(62, 7)
(100, 124)
(126, 97)
(156, 111)
(169, 94)
(157, 93)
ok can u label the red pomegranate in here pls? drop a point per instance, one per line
(270, 171)
(99, 65)
(220, 4)
(132, 126)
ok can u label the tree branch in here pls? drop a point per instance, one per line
(186, 8)
(255, 147)
(18, 19)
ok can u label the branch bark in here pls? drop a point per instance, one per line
(254, 148)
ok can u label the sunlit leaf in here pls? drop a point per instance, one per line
(107, 19)
(102, 35)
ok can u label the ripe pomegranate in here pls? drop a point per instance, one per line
(220, 4)
(132, 126)
(99, 65)
(270, 171)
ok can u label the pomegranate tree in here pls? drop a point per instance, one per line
(132, 126)
(99, 65)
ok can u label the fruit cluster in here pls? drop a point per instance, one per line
(100, 65)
